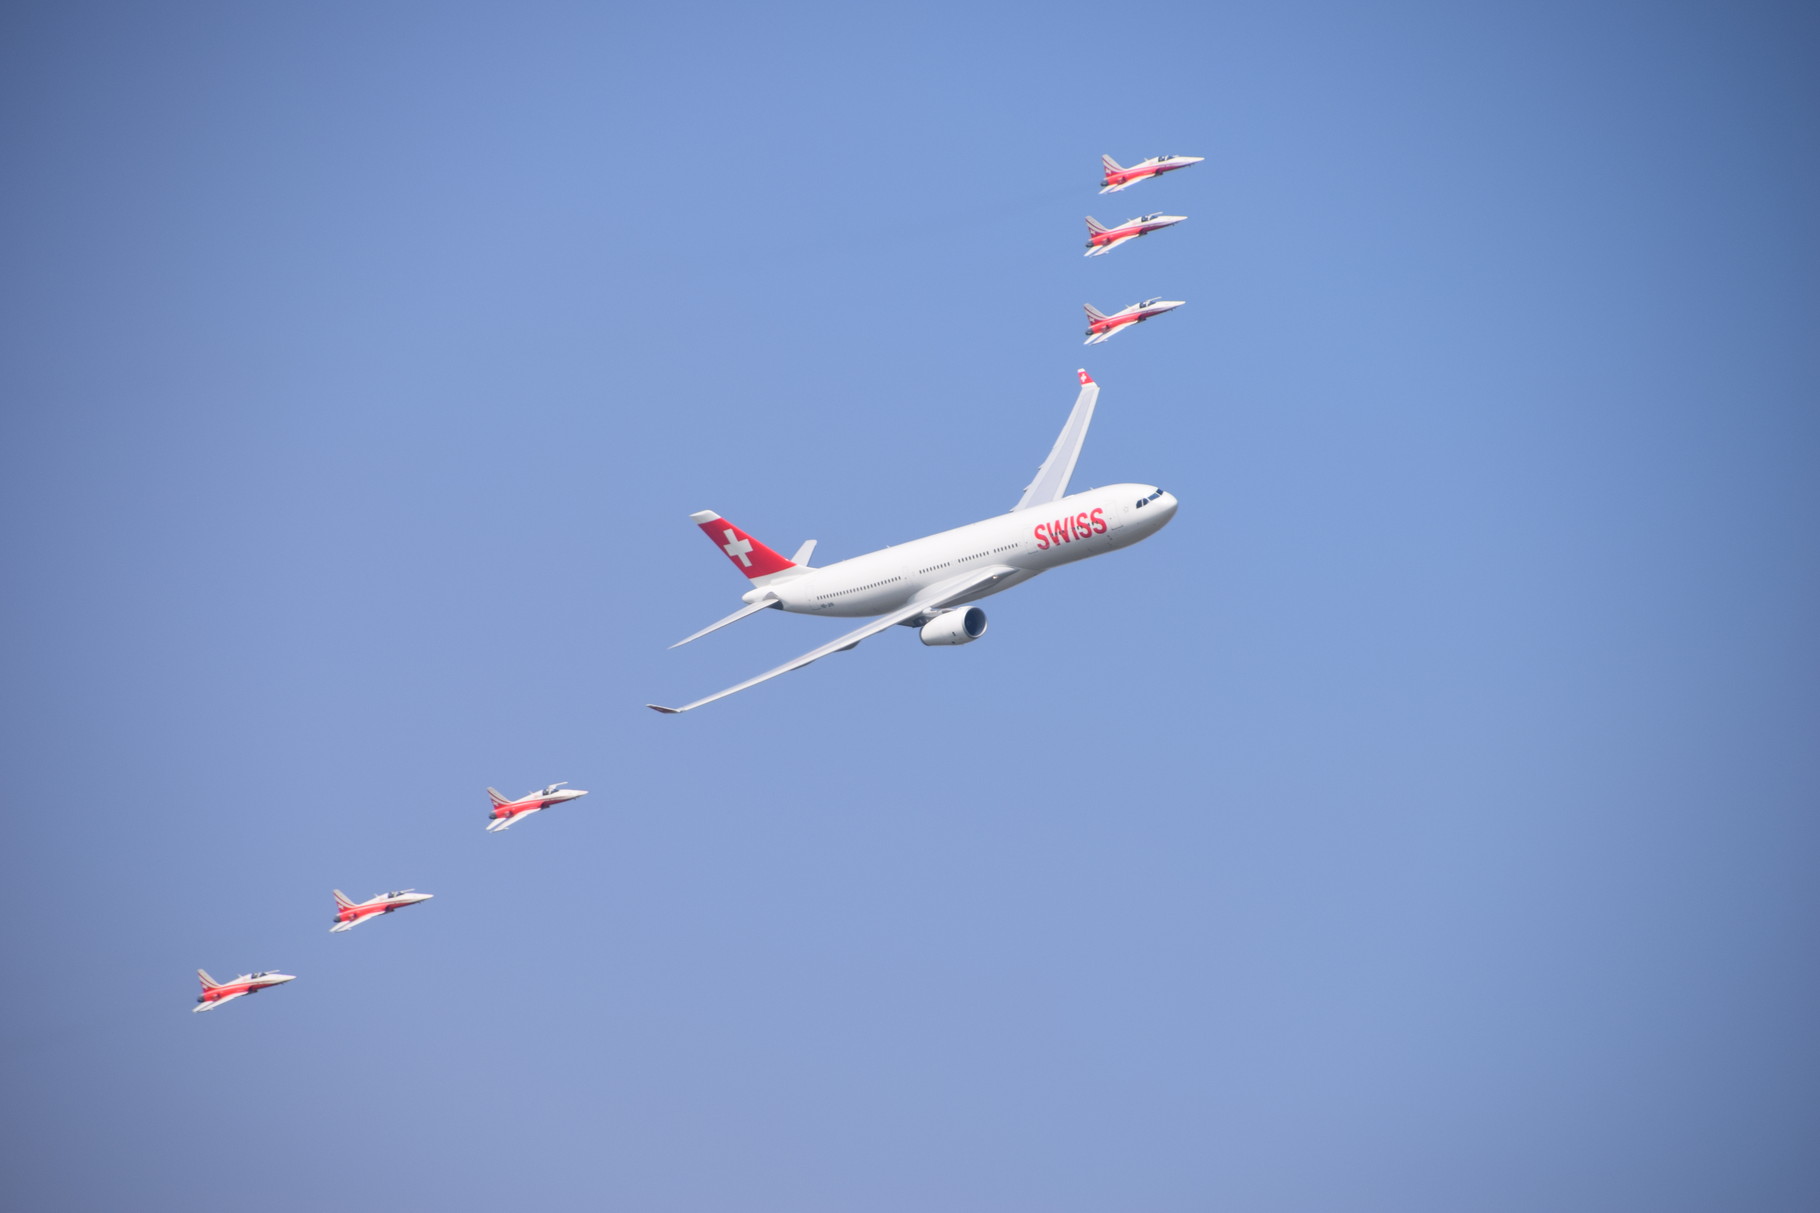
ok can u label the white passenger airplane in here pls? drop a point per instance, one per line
(927, 582)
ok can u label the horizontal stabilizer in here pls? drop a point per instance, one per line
(735, 617)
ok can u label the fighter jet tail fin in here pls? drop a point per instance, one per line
(1095, 226)
(759, 563)
(1112, 166)
(1093, 313)
(341, 899)
(208, 983)
(498, 797)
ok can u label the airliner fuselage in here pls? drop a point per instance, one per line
(1030, 541)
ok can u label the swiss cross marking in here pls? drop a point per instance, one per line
(737, 548)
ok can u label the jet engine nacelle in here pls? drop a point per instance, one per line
(963, 626)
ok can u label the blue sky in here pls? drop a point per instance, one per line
(1423, 821)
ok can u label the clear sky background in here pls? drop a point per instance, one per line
(1424, 820)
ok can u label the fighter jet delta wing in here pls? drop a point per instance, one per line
(937, 599)
(1051, 483)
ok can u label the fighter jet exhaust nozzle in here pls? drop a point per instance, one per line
(963, 626)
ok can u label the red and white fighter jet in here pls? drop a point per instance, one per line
(214, 993)
(1102, 239)
(1101, 327)
(1118, 178)
(928, 583)
(350, 914)
(505, 812)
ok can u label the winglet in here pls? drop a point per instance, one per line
(1052, 477)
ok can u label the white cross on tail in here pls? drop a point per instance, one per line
(737, 548)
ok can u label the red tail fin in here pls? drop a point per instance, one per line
(748, 555)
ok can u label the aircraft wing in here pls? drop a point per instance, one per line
(225, 998)
(1051, 480)
(939, 597)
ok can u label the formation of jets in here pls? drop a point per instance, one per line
(929, 583)
(1102, 239)
(505, 812)
(350, 913)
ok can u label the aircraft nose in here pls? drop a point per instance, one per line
(1166, 504)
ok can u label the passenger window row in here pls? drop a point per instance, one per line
(858, 589)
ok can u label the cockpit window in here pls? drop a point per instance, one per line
(1146, 501)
